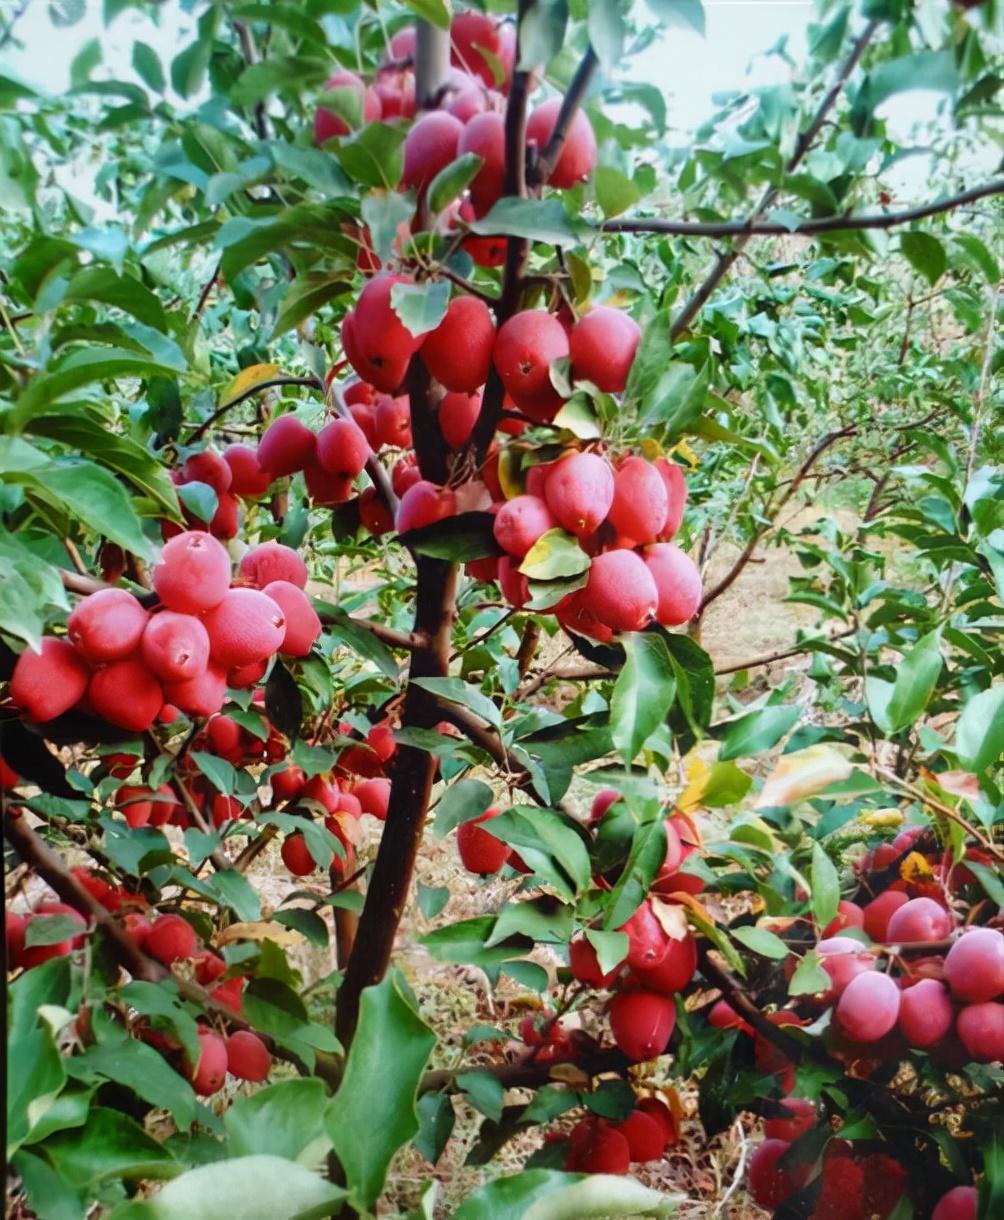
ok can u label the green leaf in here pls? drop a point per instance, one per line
(421, 307)
(307, 923)
(677, 398)
(459, 539)
(82, 368)
(274, 1008)
(51, 930)
(809, 978)
(140, 1068)
(978, 256)
(200, 500)
(383, 213)
(979, 734)
(362, 642)
(373, 156)
(261, 1187)
(285, 1119)
(727, 784)
(542, 919)
(47, 1195)
(611, 947)
(556, 554)
(542, 33)
(97, 499)
(283, 701)
(648, 854)
(436, 1122)
(926, 254)
(456, 690)
(119, 453)
(221, 774)
(453, 180)
(547, 1194)
(615, 192)
(432, 899)
(147, 65)
(605, 23)
(548, 845)
(689, 14)
(84, 62)
(757, 732)
(539, 220)
(435, 11)
(642, 695)
(763, 942)
(463, 800)
(306, 296)
(110, 1145)
(916, 677)
(373, 1114)
(276, 74)
(484, 1092)
(233, 890)
(35, 1077)
(825, 882)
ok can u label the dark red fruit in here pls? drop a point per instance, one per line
(641, 1022)
(480, 852)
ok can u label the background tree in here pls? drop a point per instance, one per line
(380, 447)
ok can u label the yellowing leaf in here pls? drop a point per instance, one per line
(697, 772)
(568, 1073)
(672, 918)
(689, 456)
(260, 930)
(651, 449)
(916, 868)
(510, 478)
(247, 379)
(882, 818)
(803, 774)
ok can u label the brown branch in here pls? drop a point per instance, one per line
(527, 647)
(570, 105)
(783, 653)
(530, 1073)
(408, 641)
(726, 259)
(805, 228)
(206, 290)
(472, 289)
(584, 673)
(945, 810)
(84, 585)
(737, 568)
(517, 248)
(313, 383)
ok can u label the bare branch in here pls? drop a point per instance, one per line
(746, 555)
(374, 467)
(724, 262)
(807, 228)
(313, 383)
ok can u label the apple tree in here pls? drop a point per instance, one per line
(379, 440)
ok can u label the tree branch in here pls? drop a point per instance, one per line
(727, 258)
(781, 654)
(806, 228)
(517, 248)
(530, 1073)
(746, 555)
(313, 383)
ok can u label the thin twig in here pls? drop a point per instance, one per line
(207, 288)
(804, 228)
(946, 811)
(313, 383)
(374, 467)
(726, 259)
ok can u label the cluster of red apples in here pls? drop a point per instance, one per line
(905, 978)
(130, 665)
